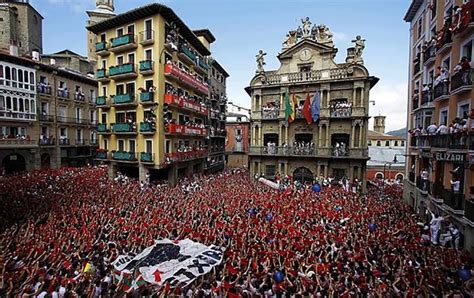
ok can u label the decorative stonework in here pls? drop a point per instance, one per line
(318, 33)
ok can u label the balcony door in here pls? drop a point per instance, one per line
(130, 88)
(131, 145)
(120, 145)
(148, 146)
(148, 30)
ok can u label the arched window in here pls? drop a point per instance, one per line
(32, 78)
(2, 103)
(7, 73)
(32, 107)
(9, 103)
(1, 71)
(27, 105)
(14, 76)
(20, 105)
(15, 104)
(25, 75)
(379, 175)
(20, 76)
(399, 177)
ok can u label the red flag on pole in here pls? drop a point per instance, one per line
(307, 110)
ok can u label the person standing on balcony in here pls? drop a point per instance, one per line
(435, 225)
(424, 179)
(432, 129)
(466, 70)
(442, 129)
(455, 185)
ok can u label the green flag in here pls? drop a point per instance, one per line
(288, 109)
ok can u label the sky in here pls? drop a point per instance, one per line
(245, 26)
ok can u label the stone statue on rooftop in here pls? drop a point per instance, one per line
(290, 39)
(358, 49)
(306, 27)
(260, 61)
(324, 34)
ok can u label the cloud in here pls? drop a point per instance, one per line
(390, 101)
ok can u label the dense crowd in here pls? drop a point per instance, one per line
(335, 242)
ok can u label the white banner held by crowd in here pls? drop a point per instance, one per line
(176, 262)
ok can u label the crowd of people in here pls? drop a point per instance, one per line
(57, 224)
(341, 109)
(340, 149)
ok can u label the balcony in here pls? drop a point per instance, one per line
(147, 67)
(123, 43)
(47, 142)
(101, 154)
(426, 97)
(44, 89)
(416, 68)
(461, 82)
(63, 93)
(147, 127)
(444, 45)
(147, 157)
(126, 99)
(453, 200)
(124, 71)
(17, 143)
(79, 96)
(185, 130)
(429, 55)
(441, 91)
(187, 55)
(102, 128)
(185, 103)
(124, 128)
(64, 141)
(185, 156)
(101, 48)
(102, 76)
(270, 114)
(147, 98)
(147, 37)
(124, 156)
(415, 101)
(102, 102)
(46, 118)
(344, 111)
(202, 66)
(174, 72)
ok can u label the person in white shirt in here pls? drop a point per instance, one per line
(455, 185)
(442, 129)
(432, 129)
(435, 225)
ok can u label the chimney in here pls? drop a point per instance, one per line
(379, 124)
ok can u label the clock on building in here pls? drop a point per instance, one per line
(306, 54)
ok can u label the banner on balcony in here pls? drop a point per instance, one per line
(175, 262)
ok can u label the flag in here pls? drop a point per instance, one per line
(307, 110)
(288, 109)
(315, 106)
(294, 106)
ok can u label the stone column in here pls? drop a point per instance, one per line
(327, 136)
(280, 135)
(352, 136)
(354, 98)
(286, 134)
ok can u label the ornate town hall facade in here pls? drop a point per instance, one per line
(334, 143)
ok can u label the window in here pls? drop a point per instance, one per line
(120, 89)
(119, 60)
(447, 63)
(148, 84)
(106, 144)
(402, 143)
(464, 109)
(131, 58)
(2, 103)
(104, 64)
(419, 27)
(104, 118)
(63, 132)
(131, 29)
(270, 170)
(120, 32)
(131, 88)
(121, 145)
(79, 134)
(379, 143)
(131, 145)
(148, 55)
(466, 50)
(387, 143)
(395, 144)
(78, 114)
(104, 90)
(120, 117)
(443, 116)
(148, 29)
(102, 37)
(167, 146)
(369, 143)
(148, 146)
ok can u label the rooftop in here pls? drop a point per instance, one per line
(146, 11)
(412, 10)
(379, 156)
(373, 135)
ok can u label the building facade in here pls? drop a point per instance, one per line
(237, 140)
(217, 116)
(334, 145)
(22, 27)
(47, 115)
(386, 152)
(439, 171)
(104, 10)
(154, 94)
